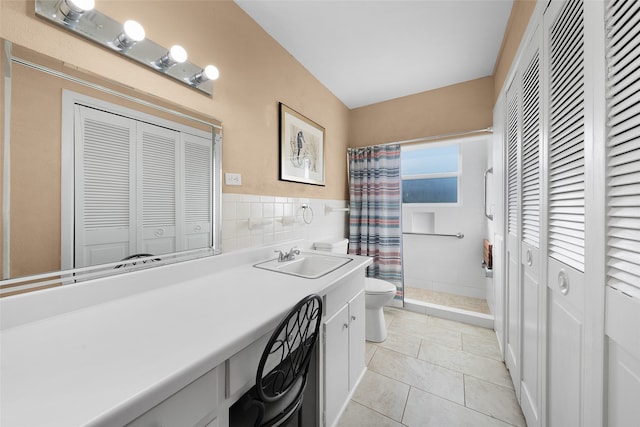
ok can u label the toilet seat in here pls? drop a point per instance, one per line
(375, 286)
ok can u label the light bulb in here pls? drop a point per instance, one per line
(210, 72)
(178, 54)
(133, 30)
(132, 33)
(72, 10)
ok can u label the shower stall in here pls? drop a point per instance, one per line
(446, 214)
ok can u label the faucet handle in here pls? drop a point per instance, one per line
(293, 251)
(280, 255)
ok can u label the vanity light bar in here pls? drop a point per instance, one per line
(128, 40)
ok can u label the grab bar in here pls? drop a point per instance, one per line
(487, 172)
(458, 235)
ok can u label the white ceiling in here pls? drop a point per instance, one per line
(368, 51)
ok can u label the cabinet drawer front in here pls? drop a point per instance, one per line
(195, 404)
(243, 366)
(335, 299)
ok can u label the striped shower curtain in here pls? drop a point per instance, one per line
(375, 210)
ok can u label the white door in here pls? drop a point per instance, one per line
(513, 236)
(499, 259)
(336, 364)
(356, 339)
(104, 155)
(565, 205)
(623, 214)
(530, 228)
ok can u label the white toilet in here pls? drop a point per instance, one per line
(377, 293)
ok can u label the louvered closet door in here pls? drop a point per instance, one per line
(513, 234)
(623, 214)
(104, 228)
(530, 227)
(565, 197)
(197, 192)
(157, 174)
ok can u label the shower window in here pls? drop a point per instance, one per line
(431, 174)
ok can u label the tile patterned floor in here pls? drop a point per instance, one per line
(450, 300)
(433, 372)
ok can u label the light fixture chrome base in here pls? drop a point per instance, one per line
(103, 30)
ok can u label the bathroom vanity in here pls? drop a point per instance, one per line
(173, 345)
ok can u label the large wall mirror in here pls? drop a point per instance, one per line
(98, 178)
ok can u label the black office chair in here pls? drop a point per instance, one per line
(134, 257)
(278, 394)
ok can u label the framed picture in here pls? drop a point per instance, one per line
(301, 148)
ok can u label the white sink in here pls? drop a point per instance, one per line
(310, 266)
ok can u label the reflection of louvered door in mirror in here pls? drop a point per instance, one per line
(157, 188)
(623, 209)
(140, 188)
(565, 199)
(197, 192)
(530, 228)
(513, 335)
(104, 152)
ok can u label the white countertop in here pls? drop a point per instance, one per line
(100, 364)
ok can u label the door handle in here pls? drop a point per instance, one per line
(563, 282)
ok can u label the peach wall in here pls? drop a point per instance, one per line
(521, 14)
(458, 108)
(256, 74)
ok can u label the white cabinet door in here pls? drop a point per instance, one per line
(356, 339)
(336, 364)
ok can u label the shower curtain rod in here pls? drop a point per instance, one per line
(437, 137)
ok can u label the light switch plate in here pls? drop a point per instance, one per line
(233, 179)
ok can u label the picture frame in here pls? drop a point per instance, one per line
(301, 148)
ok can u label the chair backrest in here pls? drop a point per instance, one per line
(289, 351)
(136, 256)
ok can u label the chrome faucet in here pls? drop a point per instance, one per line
(287, 256)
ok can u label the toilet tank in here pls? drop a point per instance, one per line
(332, 245)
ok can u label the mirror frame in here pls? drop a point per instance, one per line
(10, 286)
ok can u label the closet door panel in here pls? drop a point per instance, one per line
(623, 212)
(513, 297)
(530, 228)
(565, 201)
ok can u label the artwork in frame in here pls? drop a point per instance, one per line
(301, 148)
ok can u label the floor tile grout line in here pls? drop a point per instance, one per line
(483, 413)
(378, 412)
(416, 387)
(422, 342)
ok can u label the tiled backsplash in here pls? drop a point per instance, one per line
(251, 220)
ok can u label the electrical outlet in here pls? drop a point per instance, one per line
(233, 179)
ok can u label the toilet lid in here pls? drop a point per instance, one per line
(377, 286)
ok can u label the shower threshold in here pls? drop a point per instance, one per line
(474, 311)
